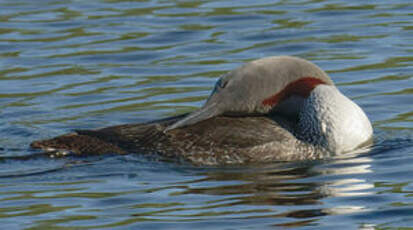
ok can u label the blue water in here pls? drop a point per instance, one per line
(73, 64)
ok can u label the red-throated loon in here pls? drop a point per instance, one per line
(271, 109)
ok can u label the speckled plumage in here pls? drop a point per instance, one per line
(210, 142)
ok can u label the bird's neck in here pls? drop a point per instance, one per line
(329, 119)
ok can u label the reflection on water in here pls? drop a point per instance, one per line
(115, 191)
(84, 64)
(184, 193)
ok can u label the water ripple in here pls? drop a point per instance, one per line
(85, 64)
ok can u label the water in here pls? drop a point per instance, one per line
(87, 64)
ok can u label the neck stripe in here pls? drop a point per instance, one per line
(301, 87)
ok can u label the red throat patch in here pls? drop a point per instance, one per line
(301, 87)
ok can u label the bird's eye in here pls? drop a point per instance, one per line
(222, 83)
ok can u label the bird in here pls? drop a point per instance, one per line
(278, 108)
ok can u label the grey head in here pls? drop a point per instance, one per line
(278, 83)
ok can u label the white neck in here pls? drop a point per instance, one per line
(330, 119)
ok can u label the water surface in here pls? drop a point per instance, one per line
(73, 64)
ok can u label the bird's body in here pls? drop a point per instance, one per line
(210, 142)
(272, 109)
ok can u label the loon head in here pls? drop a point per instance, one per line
(272, 84)
(294, 88)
